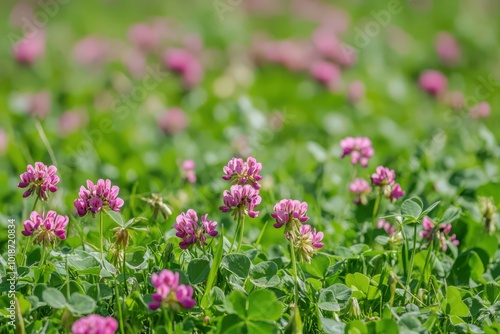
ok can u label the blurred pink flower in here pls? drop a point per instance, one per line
(145, 37)
(173, 121)
(447, 48)
(135, 61)
(383, 176)
(360, 187)
(396, 192)
(388, 228)
(433, 82)
(91, 51)
(355, 91)
(455, 99)
(359, 148)
(39, 180)
(40, 104)
(481, 109)
(95, 324)
(30, 48)
(72, 120)
(329, 46)
(190, 232)
(428, 231)
(326, 74)
(188, 171)
(186, 65)
(441, 233)
(169, 293)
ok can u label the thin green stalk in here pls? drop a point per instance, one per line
(261, 234)
(240, 234)
(294, 268)
(120, 314)
(101, 237)
(28, 240)
(24, 259)
(46, 142)
(238, 226)
(67, 277)
(124, 268)
(410, 270)
(375, 209)
(36, 202)
(168, 321)
(424, 270)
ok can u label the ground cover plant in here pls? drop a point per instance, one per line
(249, 167)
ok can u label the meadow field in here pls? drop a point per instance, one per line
(237, 166)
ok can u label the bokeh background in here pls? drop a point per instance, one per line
(129, 90)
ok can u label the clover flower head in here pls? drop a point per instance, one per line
(291, 213)
(242, 200)
(396, 192)
(428, 232)
(433, 82)
(188, 171)
(359, 148)
(186, 65)
(169, 293)
(95, 324)
(447, 48)
(442, 235)
(45, 228)
(30, 49)
(480, 110)
(243, 172)
(440, 232)
(360, 187)
(326, 73)
(39, 180)
(383, 176)
(388, 228)
(307, 243)
(98, 196)
(190, 232)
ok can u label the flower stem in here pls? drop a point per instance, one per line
(34, 204)
(375, 209)
(120, 314)
(257, 243)
(238, 226)
(240, 234)
(124, 268)
(28, 240)
(424, 270)
(101, 237)
(168, 320)
(67, 277)
(24, 259)
(410, 270)
(294, 268)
